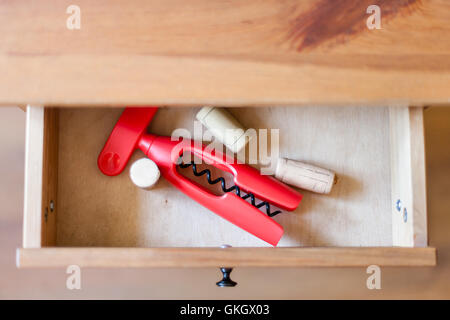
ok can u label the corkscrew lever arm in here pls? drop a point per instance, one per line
(166, 153)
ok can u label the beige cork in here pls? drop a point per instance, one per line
(224, 127)
(305, 176)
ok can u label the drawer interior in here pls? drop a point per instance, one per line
(377, 154)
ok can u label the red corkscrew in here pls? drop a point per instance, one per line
(129, 134)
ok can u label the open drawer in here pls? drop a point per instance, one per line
(376, 214)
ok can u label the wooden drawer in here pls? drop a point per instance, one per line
(376, 214)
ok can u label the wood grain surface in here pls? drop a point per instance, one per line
(33, 187)
(230, 257)
(408, 177)
(235, 53)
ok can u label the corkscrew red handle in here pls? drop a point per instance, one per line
(229, 206)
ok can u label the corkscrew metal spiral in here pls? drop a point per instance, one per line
(234, 188)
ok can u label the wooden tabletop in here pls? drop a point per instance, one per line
(232, 53)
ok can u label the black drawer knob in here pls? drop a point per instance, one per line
(226, 280)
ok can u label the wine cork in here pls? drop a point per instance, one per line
(305, 176)
(224, 127)
(144, 173)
